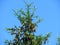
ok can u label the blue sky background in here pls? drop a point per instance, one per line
(49, 10)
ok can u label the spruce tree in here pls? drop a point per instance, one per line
(58, 41)
(25, 33)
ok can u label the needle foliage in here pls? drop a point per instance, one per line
(25, 33)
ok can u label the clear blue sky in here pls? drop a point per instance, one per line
(49, 10)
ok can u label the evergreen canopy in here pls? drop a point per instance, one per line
(24, 34)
